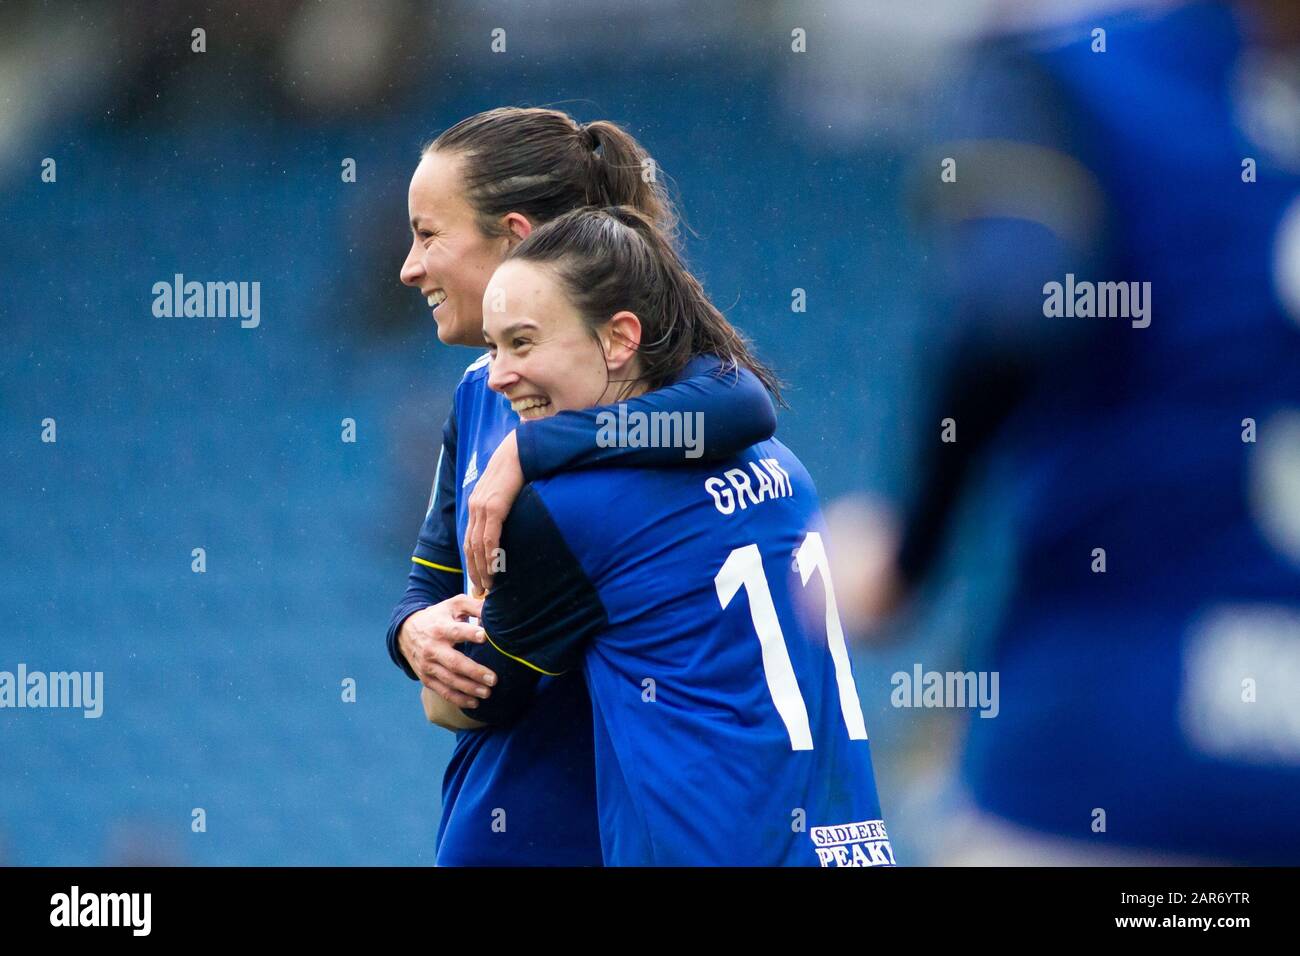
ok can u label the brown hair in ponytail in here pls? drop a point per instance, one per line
(543, 163)
(613, 259)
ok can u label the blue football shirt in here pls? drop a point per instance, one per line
(698, 603)
(525, 795)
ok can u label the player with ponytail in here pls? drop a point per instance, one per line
(480, 189)
(635, 578)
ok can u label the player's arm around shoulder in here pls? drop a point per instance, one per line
(540, 613)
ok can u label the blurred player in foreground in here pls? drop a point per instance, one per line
(728, 731)
(1148, 440)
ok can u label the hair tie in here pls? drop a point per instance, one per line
(592, 142)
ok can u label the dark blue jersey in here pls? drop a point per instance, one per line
(1155, 689)
(526, 794)
(698, 603)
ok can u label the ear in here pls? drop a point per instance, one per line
(517, 227)
(621, 339)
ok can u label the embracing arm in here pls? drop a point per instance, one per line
(727, 409)
(432, 618)
(435, 572)
(539, 615)
(720, 411)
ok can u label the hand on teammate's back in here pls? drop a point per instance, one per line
(489, 505)
(427, 641)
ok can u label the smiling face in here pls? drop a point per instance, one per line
(450, 260)
(545, 358)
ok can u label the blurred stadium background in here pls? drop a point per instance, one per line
(222, 689)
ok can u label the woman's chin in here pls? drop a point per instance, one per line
(452, 332)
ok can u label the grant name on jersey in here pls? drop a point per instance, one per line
(771, 481)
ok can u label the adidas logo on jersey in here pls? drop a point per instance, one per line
(471, 471)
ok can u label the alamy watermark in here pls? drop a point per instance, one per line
(946, 689)
(209, 300)
(130, 910)
(78, 690)
(651, 430)
(1102, 300)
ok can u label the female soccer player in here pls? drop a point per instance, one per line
(728, 727)
(523, 795)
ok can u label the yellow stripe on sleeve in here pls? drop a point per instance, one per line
(436, 567)
(521, 660)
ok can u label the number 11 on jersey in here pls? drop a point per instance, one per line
(744, 568)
